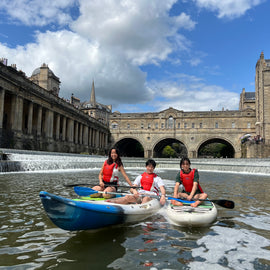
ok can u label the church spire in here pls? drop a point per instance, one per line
(93, 95)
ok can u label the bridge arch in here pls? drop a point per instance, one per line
(177, 145)
(227, 149)
(130, 147)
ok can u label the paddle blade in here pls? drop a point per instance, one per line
(84, 191)
(224, 203)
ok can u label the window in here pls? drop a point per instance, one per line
(233, 125)
(193, 125)
(128, 126)
(162, 125)
(200, 125)
(149, 126)
(141, 125)
(248, 125)
(170, 122)
(179, 125)
(216, 125)
(156, 125)
(114, 125)
(185, 125)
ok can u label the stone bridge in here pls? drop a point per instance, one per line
(192, 129)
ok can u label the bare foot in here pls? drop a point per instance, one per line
(195, 204)
(176, 203)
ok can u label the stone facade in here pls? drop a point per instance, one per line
(192, 129)
(195, 129)
(35, 118)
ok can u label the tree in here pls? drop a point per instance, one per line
(168, 152)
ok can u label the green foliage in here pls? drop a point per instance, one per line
(215, 150)
(168, 151)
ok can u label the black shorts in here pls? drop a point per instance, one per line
(109, 184)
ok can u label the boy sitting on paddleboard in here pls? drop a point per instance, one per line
(150, 184)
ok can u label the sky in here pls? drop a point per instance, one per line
(143, 56)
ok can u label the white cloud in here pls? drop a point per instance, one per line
(228, 8)
(38, 13)
(190, 93)
(109, 40)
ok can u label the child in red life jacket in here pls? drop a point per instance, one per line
(189, 178)
(150, 184)
(108, 176)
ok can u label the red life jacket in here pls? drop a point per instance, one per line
(147, 180)
(108, 172)
(188, 179)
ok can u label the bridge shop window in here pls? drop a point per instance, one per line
(141, 125)
(185, 125)
(248, 125)
(179, 125)
(216, 125)
(114, 125)
(149, 126)
(193, 125)
(200, 125)
(233, 125)
(162, 125)
(128, 126)
(170, 122)
(156, 125)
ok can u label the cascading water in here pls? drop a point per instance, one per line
(19, 160)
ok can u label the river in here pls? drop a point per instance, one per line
(239, 239)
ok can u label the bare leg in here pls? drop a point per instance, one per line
(97, 195)
(146, 199)
(109, 189)
(202, 196)
(124, 200)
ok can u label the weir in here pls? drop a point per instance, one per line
(34, 161)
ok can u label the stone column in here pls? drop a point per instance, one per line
(57, 128)
(49, 123)
(30, 118)
(90, 137)
(85, 135)
(17, 113)
(2, 100)
(81, 134)
(76, 132)
(70, 130)
(106, 141)
(97, 138)
(64, 129)
(39, 119)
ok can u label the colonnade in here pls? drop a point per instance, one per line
(28, 122)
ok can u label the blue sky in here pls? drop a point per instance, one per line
(144, 56)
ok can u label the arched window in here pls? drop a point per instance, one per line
(170, 122)
(114, 125)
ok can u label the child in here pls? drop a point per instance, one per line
(189, 178)
(150, 185)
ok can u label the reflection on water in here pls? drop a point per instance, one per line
(239, 239)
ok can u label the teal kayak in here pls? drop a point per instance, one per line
(88, 213)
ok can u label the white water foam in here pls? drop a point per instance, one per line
(229, 247)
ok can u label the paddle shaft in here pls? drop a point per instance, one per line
(223, 203)
(84, 191)
(87, 184)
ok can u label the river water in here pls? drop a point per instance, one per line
(239, 239)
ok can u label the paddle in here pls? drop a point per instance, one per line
(85, 191)
(222, 203)
(87, 184)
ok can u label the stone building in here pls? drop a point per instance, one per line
(96, 110)
(33, 117)
(194, 130)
